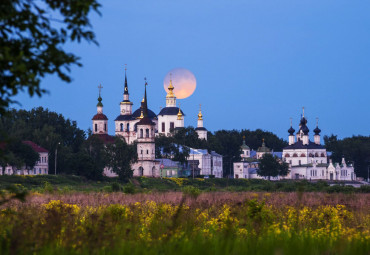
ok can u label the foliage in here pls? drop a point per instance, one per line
(355, 149)
(32, 36)
(270, 166)
(165, 228)
(13, 192)
(120, 157)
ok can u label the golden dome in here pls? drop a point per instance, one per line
(179, 114)
(200, 116)
(170, 92)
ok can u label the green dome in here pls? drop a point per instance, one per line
(263, 148)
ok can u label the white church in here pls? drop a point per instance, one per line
(306, 159)
(142, 126)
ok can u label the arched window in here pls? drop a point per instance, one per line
(153, 171)
(96, 127)
(141, 133)
(105, 127)
(128, 127)
(147, 152)
(303, 155)
(287, 155)
(295, 155)
(141, 171)
(121, 127)
(311, 155)
(147, 133)
(322, 154)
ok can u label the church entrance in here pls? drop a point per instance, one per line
(331, 176)
(141, 171)
(236, 176)
(296, 176)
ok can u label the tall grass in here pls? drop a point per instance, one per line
(174, 223)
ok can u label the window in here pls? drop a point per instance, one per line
(163, 127)
(141, 133)
(105, 127)
(311, 155)
(121, 127)
(141, 152)
(147, 151)
(322, 155)
(96, 127)
(322, 172)
(172, 126)
(39, 170)
(299, 162)
(128, 127)
(295, 155)
(303, 155)
(147, 133)
(287, 155)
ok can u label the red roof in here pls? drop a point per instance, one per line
(35, 147)
(99, 116)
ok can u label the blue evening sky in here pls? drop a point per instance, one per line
(256, 63)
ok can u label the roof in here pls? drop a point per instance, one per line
(201, 128)
(146, 121)
(105, 138)
(170, 111)
(137, 114)
(124, 117)
(213, 153)
(168, 162)
(299, 145)
(263, 148)
(100, 116)
(35, 147)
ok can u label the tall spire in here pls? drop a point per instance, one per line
(145, 100)
(126, 87)
(303, 111)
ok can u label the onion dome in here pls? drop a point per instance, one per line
(179, 115)
(99, 101)
(263, 148)
(303, 121)
(317, 131)
(200, 115)
(170, 90)
(244, 145)
(291, 131)
(305, 130)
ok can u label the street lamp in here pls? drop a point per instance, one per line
(56, 152)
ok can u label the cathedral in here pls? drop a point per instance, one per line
(142, 126)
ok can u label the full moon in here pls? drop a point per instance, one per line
(183, 81)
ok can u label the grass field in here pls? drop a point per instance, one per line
(65, 184)
(187, 223)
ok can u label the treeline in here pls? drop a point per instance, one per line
(225, 142)
(76, 153)
(79, 153)
(355, 149)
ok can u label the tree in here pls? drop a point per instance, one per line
(270, 166)
(120, 157)
(32, 34)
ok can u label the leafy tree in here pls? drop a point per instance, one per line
(32, 36)
(47, 129)
(270, 166)
(120, 157)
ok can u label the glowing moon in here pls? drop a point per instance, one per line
(183, 80)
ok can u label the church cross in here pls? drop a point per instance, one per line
(100, 87)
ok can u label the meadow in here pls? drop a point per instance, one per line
(187, 222)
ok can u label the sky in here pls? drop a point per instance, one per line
(257, 63)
